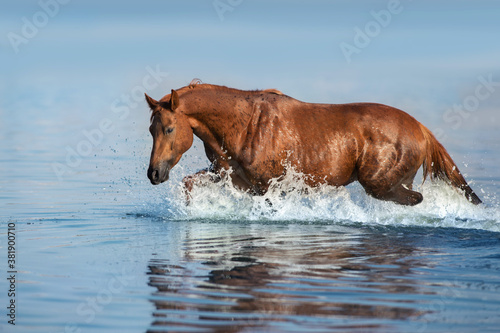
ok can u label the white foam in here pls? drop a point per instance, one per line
(291, 199)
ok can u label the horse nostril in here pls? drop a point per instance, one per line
(153, 175)
(157, 175)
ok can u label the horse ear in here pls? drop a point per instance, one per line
(151, 102)
(174, 100)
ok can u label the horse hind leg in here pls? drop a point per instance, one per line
(393, 186)
(402, 196)
(405, 194)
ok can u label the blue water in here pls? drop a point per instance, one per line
(99, 249)
(102, 250)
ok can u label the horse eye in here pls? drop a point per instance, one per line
(169, 130)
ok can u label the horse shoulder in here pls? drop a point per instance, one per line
(260, 142)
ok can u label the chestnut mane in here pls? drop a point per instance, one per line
(197, 83)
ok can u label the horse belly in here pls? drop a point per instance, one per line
(332, 165)
(316, 149)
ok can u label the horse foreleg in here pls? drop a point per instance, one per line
(199, 177)
(242, 182)
(238, 179)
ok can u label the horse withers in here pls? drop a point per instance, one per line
(258, 135)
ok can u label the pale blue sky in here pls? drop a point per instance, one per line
(428, 57)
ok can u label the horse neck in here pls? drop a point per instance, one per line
(219, 116)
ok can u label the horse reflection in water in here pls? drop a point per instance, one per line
(326, 281)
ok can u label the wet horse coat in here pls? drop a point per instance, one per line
(260, 134)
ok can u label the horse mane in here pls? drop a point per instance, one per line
(197, 83)
(194, 82)
(153, 114)
(272, 91)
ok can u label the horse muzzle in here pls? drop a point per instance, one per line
(158, 175)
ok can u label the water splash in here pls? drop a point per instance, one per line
(291, 199)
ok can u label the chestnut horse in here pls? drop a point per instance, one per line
(258, 135)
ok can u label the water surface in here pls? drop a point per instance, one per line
(105, 252)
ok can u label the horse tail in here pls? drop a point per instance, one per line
(438, 164)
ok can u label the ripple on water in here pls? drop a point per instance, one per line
(292, 279)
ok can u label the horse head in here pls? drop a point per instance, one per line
(172, 136)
